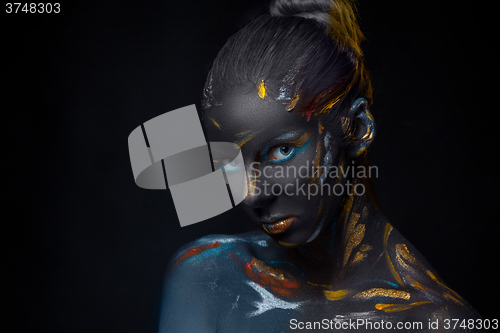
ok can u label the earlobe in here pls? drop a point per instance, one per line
(364, 126)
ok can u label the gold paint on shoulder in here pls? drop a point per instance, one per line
(378, 292)
(276, 273)
(355, 239)
(387, 232)
(362, 253)
(417, 285)
(336, 295)
(450, 297)
(365, 248)
(402, 249)
(286, 244)
(398, 307)
(451, 292)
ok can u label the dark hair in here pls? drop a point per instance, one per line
(305, 51)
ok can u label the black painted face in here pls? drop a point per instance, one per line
(282, 154)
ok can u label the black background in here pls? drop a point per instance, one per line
(85, 249)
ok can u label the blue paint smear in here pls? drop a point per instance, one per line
(380, 281)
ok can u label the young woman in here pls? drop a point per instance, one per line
(291, 89)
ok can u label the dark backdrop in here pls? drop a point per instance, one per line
(85, 249)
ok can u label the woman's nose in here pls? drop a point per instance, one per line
(259, 190)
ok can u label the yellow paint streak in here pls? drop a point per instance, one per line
(418, 285)
(251, 184)
(300, 141)
(320, 285)
(358, 257)
(398, 307)
(365, 248)
(333, 102)
(368, 135)
(320, 127)
(388, 229)
(370, 116)
(351, 224)
(403, 263)
(448, 296)
(245, 139)
(354, 240)
(361, 151)
(278, 274)
(329, 105)
(403, 252)
(378, 292)
(240, 134)
(216, 124)
(336, 295)
(286, 244)
(432, 276)
(345, 124)
(293, 102)
(361, 254)
(262, 90)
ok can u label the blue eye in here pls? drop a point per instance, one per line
(230, 166)
(282, 154)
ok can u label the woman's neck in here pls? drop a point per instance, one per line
(327, 257)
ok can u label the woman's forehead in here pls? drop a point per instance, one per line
(243, 117)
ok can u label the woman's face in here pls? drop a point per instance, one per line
(285, 158)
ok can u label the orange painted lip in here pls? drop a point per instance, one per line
(280, 225)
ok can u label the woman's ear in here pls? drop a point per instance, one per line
(364, 127)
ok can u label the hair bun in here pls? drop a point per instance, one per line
(338, 17)
(311, 9)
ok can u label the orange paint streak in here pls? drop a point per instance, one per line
(457, 296)
(246, 138)
(195, 251)
(448, 296)
(280, 282)
(419, 286)
(336, 295)
(398, 307)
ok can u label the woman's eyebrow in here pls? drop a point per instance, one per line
(285, 136)
(300, 141)
(290, 135)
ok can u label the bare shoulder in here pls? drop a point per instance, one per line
(201, 277)
(413, 272)
(215, 250)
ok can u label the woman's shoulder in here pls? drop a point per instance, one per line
(215, 252)
(413, 272)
